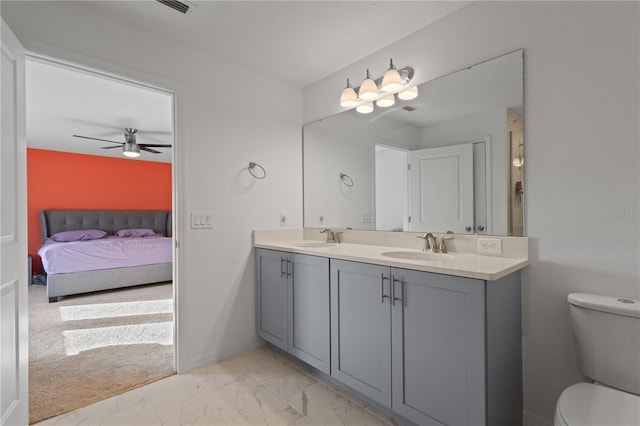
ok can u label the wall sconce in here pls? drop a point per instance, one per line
(382, 90)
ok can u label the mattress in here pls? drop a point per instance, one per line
(105, 253)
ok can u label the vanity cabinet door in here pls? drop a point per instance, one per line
(438, 329)
(361, 328)
(271, 297)
(309, 310)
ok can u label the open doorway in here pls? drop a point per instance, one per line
(98, 143)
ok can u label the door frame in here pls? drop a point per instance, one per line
(129, 76)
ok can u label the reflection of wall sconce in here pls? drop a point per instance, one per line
(381, 90)
(519, 160)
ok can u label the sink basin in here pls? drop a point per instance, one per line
(314, 244)
(417, 255)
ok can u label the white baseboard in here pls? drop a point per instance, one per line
(216, 356)
(532, 419)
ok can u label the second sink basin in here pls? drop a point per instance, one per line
(417, 255)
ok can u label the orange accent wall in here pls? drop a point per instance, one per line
(62, 180)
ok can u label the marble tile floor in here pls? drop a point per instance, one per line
(258, 387)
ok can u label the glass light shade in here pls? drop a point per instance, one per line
(348, 98)
(408, 94)
(368, 89)
(391, 80)
(365, 108)
(386, 101)
(131, 150)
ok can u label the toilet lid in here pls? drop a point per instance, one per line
(588, 404)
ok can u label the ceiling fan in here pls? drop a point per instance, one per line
(130, 148)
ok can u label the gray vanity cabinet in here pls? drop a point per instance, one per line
(361, 328)
(436, 349)
(293, 304)
(271, 302)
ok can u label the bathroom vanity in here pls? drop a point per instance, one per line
(435, 338)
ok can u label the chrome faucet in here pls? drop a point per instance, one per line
(332, 236)
(434, 245)
(429, 241)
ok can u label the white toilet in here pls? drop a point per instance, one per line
(607, 331)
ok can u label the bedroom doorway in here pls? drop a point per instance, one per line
(96, 141)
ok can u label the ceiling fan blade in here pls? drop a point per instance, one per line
(144, 148)
(109, 147)
(155, 145)
(96, 139)
(155, 132)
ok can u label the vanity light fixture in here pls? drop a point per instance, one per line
(365, 108)
(349, 99)
(382, 90)
(386, 101)
(391, 80)
(368, 89)
(408, 94)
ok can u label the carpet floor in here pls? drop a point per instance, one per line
(87, 348)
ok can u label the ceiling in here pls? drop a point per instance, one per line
(63, 101)
(300, 42)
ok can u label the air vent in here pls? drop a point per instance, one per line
(408, 108)
(176, 5)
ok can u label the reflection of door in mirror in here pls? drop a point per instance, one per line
(390, 183)
(441, 188)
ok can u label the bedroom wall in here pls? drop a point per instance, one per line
(63, 180)
(581, 149)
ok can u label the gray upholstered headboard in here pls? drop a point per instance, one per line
(110, 221)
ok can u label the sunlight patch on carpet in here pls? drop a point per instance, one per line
(113, 310)
(77, 341)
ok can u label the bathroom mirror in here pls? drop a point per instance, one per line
(450, 160)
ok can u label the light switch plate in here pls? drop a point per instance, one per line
(201, 220)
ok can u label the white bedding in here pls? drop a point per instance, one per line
(106, 253)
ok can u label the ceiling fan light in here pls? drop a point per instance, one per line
(131, 150)
(348, 99)
(408, 94)
(368, 89)
(365, 108)
(386, 101)
(391, 80)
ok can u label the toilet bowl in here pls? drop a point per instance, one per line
(607, 331)
(588, 404)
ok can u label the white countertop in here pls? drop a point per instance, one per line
(459, 264)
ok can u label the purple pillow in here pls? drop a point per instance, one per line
(79, 235)
(143, 232)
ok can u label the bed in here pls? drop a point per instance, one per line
(109, 262)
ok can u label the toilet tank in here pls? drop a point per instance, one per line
(607, 331)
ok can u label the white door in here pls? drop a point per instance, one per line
(441, 189)
(390, 182)
(14, 342)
